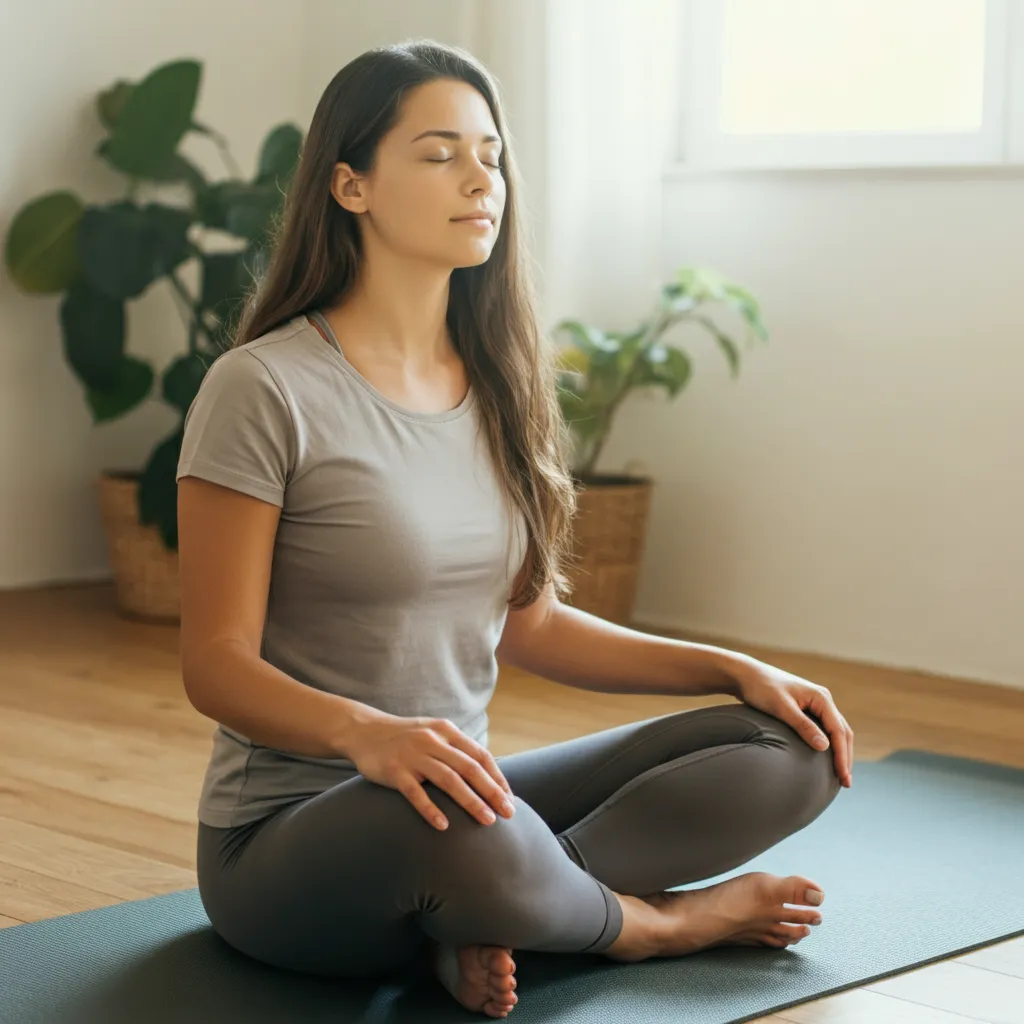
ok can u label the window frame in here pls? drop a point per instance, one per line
(702, 147)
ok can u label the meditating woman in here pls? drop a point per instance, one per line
(375, 506)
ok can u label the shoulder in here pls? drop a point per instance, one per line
(269, 359)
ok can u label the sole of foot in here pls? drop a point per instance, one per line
(479, 977)
(749, 910)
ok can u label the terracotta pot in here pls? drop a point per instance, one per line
(145, 571)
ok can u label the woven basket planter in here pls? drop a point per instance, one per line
(608, 542)
(609, 532)
(145, 571)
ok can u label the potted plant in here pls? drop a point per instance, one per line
(100, 256)
(597, 370)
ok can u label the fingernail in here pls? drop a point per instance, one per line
(813, 896)
(510, 807)
(820, 742)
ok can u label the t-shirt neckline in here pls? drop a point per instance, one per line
(338, 356)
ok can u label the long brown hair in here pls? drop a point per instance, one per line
(315, 256)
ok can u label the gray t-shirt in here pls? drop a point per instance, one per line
(393, 562)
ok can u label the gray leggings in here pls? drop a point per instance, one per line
(349, 883)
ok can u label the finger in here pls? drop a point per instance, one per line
(417, 796)
(824, 707)
(448, 779)
(847, 740)
(849, 748)
(481, 754)
(473, 772)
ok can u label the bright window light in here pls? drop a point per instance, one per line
(803, 66)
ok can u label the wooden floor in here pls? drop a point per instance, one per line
(102, 757)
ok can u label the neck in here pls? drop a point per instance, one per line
(398, 308)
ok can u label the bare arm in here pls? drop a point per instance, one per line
(225, 546)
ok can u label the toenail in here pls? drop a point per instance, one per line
(813, 896)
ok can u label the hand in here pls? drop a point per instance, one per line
(402, 752)
(787, 696)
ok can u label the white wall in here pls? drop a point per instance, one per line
(55, 56)
(858, 491)
(855, 492)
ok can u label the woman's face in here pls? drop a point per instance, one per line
(423, 181)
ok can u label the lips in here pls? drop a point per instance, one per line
(483, 215)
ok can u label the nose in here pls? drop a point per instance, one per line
(480, 179)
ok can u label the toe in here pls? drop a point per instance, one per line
(791, 932)
(498, 959)
(802, 916)
(804, 891)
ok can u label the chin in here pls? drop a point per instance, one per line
(473, 259)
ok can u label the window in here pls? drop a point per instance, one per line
(851, 83)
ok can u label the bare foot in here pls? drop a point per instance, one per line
(743, 911)
(479, 977)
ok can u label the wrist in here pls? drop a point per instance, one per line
(354, 716)
(731, 666)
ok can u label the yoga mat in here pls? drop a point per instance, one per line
(921, 860)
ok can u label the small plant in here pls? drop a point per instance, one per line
(600, 368)
(101, 256)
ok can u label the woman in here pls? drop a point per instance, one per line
(374, 506)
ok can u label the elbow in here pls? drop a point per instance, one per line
(201, 667)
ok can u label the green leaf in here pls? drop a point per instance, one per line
(665, 366)
(728, 347)
(134, 383)
(155, 115)
(41, 249)
(223, 280)
(629, 347)
(591, 340)
(124, 248)
(241, 208)
(747, 306)
(175, 168)
(110, 102)
(92, 325)
(250, 211)
(181, 380)
(279, 155)
(158, 490)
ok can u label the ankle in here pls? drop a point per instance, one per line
(642, 926)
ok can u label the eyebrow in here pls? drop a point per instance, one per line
(448, 134)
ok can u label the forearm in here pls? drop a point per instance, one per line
(582, 650)
(231, 685)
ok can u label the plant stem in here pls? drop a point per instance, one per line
(194, 321)
(654, 330)
(229, 161)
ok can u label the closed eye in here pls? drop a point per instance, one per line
(433, 160)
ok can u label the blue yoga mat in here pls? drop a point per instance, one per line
(921, 860)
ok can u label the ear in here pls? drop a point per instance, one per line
(347, 188)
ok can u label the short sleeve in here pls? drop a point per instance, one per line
(238, 430)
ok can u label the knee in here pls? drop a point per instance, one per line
(804, 777)
(497, 854)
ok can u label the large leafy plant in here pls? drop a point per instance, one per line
(103, 255)
(599, 368)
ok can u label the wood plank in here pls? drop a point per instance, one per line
(94, 866)
(27, 895)
(959, 988)
(1004, 957)
(859, 1006)
(121, 828)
